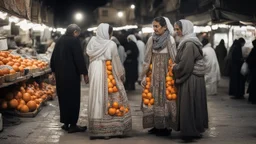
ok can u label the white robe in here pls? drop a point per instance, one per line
(212, 70)
(96, 74)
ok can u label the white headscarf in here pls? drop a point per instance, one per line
(188, 33)
(169, 25)
(113, 38)
(99, 44)
(132, 38)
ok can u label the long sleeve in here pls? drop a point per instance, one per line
(184, 68)
(251, 58)
(52, 61)
(79, 57)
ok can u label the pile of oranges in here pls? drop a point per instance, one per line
(146, 94)
(112, 88)
(115, 109)
(170, 88)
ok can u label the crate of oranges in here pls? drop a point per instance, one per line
(116, 109)
(171, 93)
(112, 88)
(147, 97)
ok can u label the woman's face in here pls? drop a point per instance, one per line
(158, 29)
(178, 30)
(76, 33)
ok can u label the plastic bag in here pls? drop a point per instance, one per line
(244, 69)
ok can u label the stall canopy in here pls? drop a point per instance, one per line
(19, 8)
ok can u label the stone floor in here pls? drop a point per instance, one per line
(231, 122)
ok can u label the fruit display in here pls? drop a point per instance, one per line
(147, 96)
(18, 63)
(171, 93)
(115, 109)
(26, 97)
(112, 88)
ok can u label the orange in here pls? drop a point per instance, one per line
(126, 110)
(109, 68)
(111, 77)
(151, 66)
(108, 62)
(169, 88)
(148, 79)
(167, 92)
(174, 96)
(169, 83)
(172, 91)
(170, 62)
(117, 111)
(149, 95)
(110, 85)
(152, 101)
(108, 104)
(111, 111)
(109, 72)
(110, 90)
(146, 101)
(122, 108)
(144, 95)
(108, 80)
(115, 105)
(115, 89)
(148, 86)
(172, 82)
(170, 73)
(149, 105)
(113, 82)
(168, 78)
(146, 91)
(169, 97)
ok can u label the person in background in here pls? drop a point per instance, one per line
(228, 59)
(131, 64)
(221, 53)
(251, 61)
(160, 48)
(141, 46)
(120, 48)
(103, 118)
(189, 70)
(212, 70)
(237, 80)
(67, 64)
(11, 42)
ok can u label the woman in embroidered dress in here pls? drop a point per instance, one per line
(189, 72)
(159, 49)
(108, 109)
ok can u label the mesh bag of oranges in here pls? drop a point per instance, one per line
(117, 109)
(112, 88)
(147, 97)
(171, 92)
(117, 105)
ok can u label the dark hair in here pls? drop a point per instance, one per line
(161, 21)
(71, 28)
(241, 40)
(205, 41)
(110, 30)
(179, 24)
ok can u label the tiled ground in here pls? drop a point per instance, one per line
(231, 122)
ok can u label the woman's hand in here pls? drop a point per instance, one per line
(173, 65)
(143, 82)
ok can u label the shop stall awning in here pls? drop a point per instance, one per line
(19, 8)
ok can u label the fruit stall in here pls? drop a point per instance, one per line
(23, 85)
